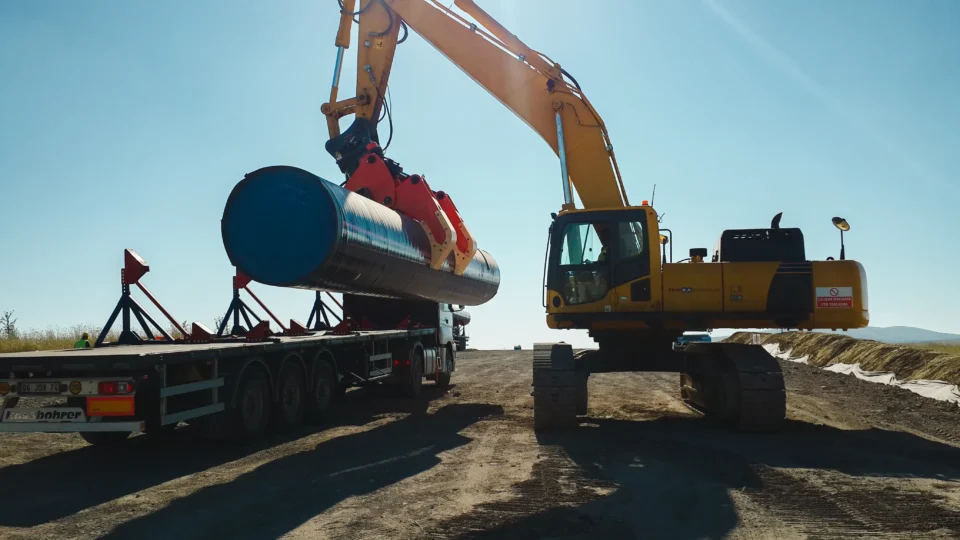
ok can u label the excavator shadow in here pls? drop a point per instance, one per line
(673, 477)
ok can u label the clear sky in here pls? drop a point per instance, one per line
(126, 124)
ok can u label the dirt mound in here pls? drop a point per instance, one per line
(823, 350)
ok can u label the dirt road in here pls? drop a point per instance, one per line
(856, 460)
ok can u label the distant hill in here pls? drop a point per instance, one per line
(900, 334)
(889, 334)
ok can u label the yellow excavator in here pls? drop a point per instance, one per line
(607, 269)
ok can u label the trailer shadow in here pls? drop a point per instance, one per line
(673, 477)
(283, 494)
(65, 483)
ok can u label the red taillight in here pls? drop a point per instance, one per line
(396, 362)
(115, 387)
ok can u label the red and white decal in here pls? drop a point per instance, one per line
(834, 297)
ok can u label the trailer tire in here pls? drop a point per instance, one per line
(251, 409)
(105, 438)
(322, 394)
(291, 398)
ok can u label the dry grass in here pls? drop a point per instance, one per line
(949, 348)
(50, 339)
(907, 362)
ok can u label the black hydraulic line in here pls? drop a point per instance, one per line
(389, 17)
(569, 76)
(362, 9)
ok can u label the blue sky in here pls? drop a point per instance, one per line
(126, 124)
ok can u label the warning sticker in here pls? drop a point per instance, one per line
(834, 297)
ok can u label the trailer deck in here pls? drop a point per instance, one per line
(148, 355)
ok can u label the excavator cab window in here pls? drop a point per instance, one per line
(631, 235)
(584, 262)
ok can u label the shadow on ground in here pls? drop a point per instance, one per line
(672, 478)
(282, 494)
(62, 484)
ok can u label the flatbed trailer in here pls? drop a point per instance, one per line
(237, 386)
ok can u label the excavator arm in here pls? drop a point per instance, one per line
(527, 82)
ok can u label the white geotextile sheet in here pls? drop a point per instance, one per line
(939, 390)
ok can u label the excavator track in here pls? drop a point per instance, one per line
(556, 386)
(740, 385)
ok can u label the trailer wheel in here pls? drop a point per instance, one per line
(251, 411)
(291, 398)
(322, 394)
(105, 438)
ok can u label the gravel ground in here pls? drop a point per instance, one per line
(856, 460)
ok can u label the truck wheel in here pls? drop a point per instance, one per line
(105, 438)
(251, 410)
(443, 379)
(320, 398)
(291, 393)
(411, 388)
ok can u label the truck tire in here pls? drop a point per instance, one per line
(443, 379)
(105, 438)
(322, 394)
(291, 398)
(251, 409)
(414, 381)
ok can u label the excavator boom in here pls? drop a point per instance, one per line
(525, 81)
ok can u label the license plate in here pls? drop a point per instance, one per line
(38, 388)
(44, 414)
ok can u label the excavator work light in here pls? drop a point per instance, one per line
(841, 224)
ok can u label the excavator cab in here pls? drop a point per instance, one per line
(594, 259)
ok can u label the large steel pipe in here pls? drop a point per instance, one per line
(286, 227)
